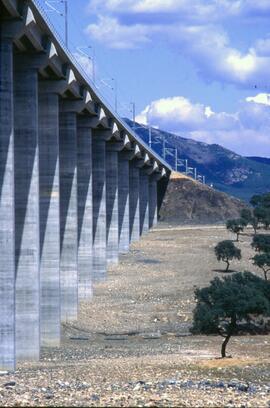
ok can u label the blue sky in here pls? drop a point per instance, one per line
(198, 68)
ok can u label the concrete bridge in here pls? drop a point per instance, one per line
(77, 184)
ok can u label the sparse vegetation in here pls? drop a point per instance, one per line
(261, 212)
(263, 262)
(246, 215)
(236, 226)
(255, 224)
(227, 302)
(226, 251)
(261, 243)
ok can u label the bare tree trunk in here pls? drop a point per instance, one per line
(231, 330)
(228, 265)
(224, 345)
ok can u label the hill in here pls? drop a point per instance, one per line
(227, 171)
(188, 201)
(264, 160)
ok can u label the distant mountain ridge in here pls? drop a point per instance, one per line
(264, 160)
(229, 172)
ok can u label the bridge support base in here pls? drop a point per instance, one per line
(152, 202)
(144, 202)
(49, 219)
(7, 228)
(134, 202)
(112, 204)
(99, 206)
(27, 255)
(123, 188)
(68, 216)
(85, 209)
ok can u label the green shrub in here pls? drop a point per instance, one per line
(227, 302)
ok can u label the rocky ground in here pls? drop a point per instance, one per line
(131, 344)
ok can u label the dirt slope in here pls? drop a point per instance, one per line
(188, 201)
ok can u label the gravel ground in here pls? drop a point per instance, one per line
(131, 344)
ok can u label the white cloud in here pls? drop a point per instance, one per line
(198, 10)
(175, 110)
(262, 98)
(246, 131)
(188, 28)
(210, 51)
(114, 35)
(262, 47)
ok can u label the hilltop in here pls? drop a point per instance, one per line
(190, 202)
(229, 172)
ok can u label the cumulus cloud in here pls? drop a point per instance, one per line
(114, 35)
(195, 32)
(245, 131)
(263, 98)
(200, 10)
(209, 49)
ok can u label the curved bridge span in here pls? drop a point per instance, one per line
(77, 184)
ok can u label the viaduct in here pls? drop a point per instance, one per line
(77, 185)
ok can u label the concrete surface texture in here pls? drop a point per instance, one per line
(66, 189)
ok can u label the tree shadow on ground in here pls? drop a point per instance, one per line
(223, 271)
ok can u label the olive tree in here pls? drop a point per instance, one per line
(236, 226)
(261, 212)
(226, 251)
(263, 262)
(246, 215)
(229, 301)
(261, 243)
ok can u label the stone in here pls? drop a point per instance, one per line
(10, 384)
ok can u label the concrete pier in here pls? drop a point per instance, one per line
(112, 203)
(85, 207)
(76, 182)
(49, 217)
(144, 202)
(68, 215)
(134, 201)
(26, 209)
(7, 206)
(99, 206)
(153, 201)
(123, 199)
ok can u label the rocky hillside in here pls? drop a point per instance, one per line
(189, 202)
(229, 172)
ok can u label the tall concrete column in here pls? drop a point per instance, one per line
(134, 201)
(68, 215)
(85, 207)
(152, 201)
(7, 207)
(144, 202)
(49, 217)
(26, 164)
(123, 191)
(112, 203)
(99, 206)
